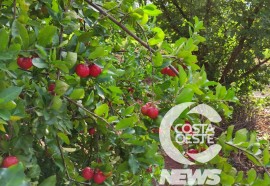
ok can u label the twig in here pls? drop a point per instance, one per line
(144, 44)
(14, 7)
(244, 150)
(92, 114)
(65, 165)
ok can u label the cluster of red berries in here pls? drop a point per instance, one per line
(168, 71)
(9, 161)
(89, 174)
(150, 110)
(84, 70)
(24, 62)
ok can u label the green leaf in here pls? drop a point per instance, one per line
(229, 133)
(13, 175)
(115, 89)
(63, 137)
(195, 88)
(71, 59)
(129, 110)
(41, 51)
(39, 63)
(10, 94)
(254, 160)
(60, 87)
(4, 38)
(102, 110)
(186, 95)
(182, 76)
(98, 52)
(226, 179)
(125, 123)
(239, 176)
(157, 59)
(5, 114)
(251, 176)
(77, 93)
(151, 10)
(133, 164)
(220, 91)
(240, 136)
(50, 181)
(158, 38)
(266, 156)
(56, 103)
(19, 30)
(46, 35)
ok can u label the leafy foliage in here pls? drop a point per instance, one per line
(237, 34)
(48, 130)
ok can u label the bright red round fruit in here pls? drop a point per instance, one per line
(82, 70)
(88, 173)
(99, 177)
(94, 70)
(170, 72)
(187, 128)
(145, 109)
(164, 70)
(152, 112)
(9, 161)
(92, 131)
(51, 87)
(24, 62)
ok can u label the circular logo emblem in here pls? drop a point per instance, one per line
(165, 137)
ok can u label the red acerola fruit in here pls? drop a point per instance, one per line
(149, 169)
(170, 72)
(82, 70)
(88, 173)
(192, 151)
(24, 62)
(9, 161)
(94, 70)
(51, 87)
(92, 131)
(152, 112)
(145, 109)
(164, 70)
(99, 177)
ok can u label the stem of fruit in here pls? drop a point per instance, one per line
(144, 44)
(244, 150)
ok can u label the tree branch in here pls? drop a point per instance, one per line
(123, 27)
(252, 70)
(180, 9)
(167, 15)
(237, 50)
(247, 152)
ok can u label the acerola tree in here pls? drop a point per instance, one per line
(74, 116)
(237, 34)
